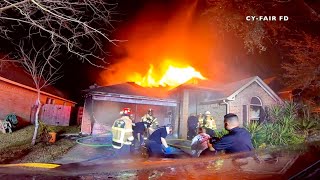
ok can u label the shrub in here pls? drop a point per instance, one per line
(282, 130)
(255, 130)
(308, 123)
(221, 133)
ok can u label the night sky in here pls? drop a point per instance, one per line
(79, 76)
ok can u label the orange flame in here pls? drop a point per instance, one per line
(169, 76)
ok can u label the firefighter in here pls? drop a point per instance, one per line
(209, 123)
(122, 130)
(150, 121)
(156, 144)
(200, 120)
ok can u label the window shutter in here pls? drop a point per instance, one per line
(262, 115)
(245, 114)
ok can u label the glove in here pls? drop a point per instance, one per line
(168, 150)
(131, 138)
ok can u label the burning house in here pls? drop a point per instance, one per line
(103, 104)
(248, 98)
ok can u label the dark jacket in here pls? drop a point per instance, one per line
(238, 140)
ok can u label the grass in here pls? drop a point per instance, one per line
(17, 138)
(16, 147)
(47, 153)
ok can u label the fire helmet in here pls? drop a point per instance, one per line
(150, 111)
(126, 112)
(207, 113)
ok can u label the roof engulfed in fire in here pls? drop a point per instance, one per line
(217, 91)
(170, 51)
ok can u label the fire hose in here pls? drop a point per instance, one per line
(105, 144)
(178, 146)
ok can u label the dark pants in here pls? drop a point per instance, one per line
(154, 148)
(207, 152)
(136, 136)
(191, 133)
(210, 132)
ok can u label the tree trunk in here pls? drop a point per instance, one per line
(36, 119)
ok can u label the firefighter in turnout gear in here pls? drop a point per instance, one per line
(200, 120)
(150, 121)
(122, 130)
(208, 123)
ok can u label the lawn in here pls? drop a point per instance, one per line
(16, 147)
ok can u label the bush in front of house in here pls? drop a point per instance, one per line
(282, 129)
(221, 133)
(308, 122)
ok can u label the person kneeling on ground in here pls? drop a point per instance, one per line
(237, 140)
(157, 144)
(200, 144)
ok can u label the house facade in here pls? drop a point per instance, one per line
(20, 99)
(248, 98)
(103, 105)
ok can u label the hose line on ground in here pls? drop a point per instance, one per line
(92, 144)
(178, 146)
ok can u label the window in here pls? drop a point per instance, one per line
(49, 101)
(255, 109)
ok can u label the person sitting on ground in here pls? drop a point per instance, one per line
(237, 140)
(200, 144)
(157, 144)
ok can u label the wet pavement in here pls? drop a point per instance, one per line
(301, 162)
(91, 150)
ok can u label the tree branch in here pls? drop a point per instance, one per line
(12, 5)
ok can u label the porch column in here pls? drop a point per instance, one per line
(86, 124)
(185, 114)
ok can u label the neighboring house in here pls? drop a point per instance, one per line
(18, 96)
(247, 98)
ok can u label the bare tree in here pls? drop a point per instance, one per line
(44, 68)
(41, 30)
(77, 25)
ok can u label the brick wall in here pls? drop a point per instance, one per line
(244, 98)
(18, 100)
